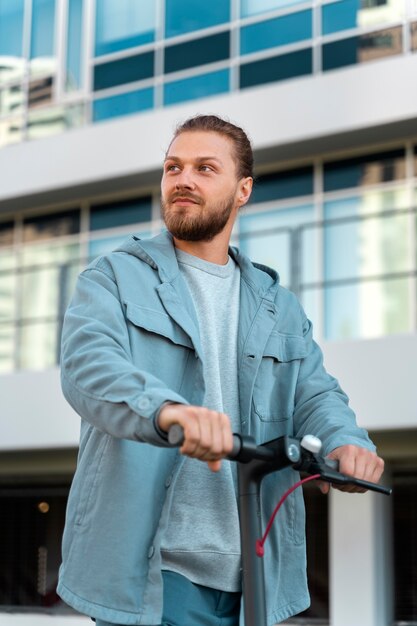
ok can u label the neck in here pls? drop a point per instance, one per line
(212, 251)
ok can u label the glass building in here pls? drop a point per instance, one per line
(90, 93)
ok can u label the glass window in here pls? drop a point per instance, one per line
(283, 185)
(50, 226)
(138, 67)
(11, 39)
(366, 299)
(277, 68)
(42, 42)
(11, 100)
(123, 104)
(253, 7)
(75, 44)
(415, 160)
(97, 247)
(266, 237)
(197, 52)
(194, 15)
(6, 348)
(361, 49)
(124, 24)
(47, 121)
(277, 32)
(7, 273)
(196, 87)
(370, 169)
(121, 213)
(345, 14)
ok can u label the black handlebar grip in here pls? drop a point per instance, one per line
(176, 438)
(332, 463)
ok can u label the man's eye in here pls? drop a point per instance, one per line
(171, 168)
(206, 168)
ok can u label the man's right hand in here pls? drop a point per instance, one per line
(207, 434)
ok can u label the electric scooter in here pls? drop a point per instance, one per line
(254, 463)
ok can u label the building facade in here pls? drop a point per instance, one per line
(90, 93)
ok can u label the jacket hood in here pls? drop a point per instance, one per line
(159, 253)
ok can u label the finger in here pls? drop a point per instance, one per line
(214, 466)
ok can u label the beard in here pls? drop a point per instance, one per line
(200, 222)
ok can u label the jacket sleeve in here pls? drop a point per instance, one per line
(321, 407)
(98, 377)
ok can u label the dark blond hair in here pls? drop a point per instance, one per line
(211, 123)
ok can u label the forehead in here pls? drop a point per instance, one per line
(196, 144)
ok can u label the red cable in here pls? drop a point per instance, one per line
(260, 542)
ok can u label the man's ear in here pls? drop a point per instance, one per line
(245, 190)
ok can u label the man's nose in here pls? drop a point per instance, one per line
(184, 180)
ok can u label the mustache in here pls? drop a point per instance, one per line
(189, 196)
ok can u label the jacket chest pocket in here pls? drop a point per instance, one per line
(276, 380)
(158, 345)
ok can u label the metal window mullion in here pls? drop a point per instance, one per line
(412, 235)
(27, 37)
(235, 24)
(159, 53)
(319, 244)
(89, 16)
(316, 37)
(61, 33)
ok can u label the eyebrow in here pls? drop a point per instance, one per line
(198, 159)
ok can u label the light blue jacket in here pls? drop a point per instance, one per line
(130, 343)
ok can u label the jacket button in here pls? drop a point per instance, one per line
(168, 481)
(151, 552)
(143, 403)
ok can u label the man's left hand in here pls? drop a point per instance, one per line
(358, 462)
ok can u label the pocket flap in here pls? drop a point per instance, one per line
(286, 348)
(158, 323)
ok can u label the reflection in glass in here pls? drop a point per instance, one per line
(253, 7)
(194, 15)
(11, 40)
(7, 272)
(124, 24)
(369, 47)
(277, 68)
(51, 225)
(47, 121)
(277, 32)
(195, 87)
(197, 52)
(123, 104)
(42, 42)
(368, 309)
(11, 130)
(123, 71)
(39, 345)
(258, 240)
(345, 14)
(370, 169)
(75, 44)
(11, 100)
(40, 91)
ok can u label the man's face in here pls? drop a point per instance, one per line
(199, 188)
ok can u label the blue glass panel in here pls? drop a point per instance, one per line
(123, 104)
(74, 45)
(11, 27)
(121, 213)
(339, 16)
(276, 32)
(277, 68)
(253, 7)
(266, 237)
(43, 29)
(97, 247)
(340, 53)
(124, 71)
(196, 87)
(282, 185)
(367, 169)
(193, 15)
(124, 24)
(197, 52)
